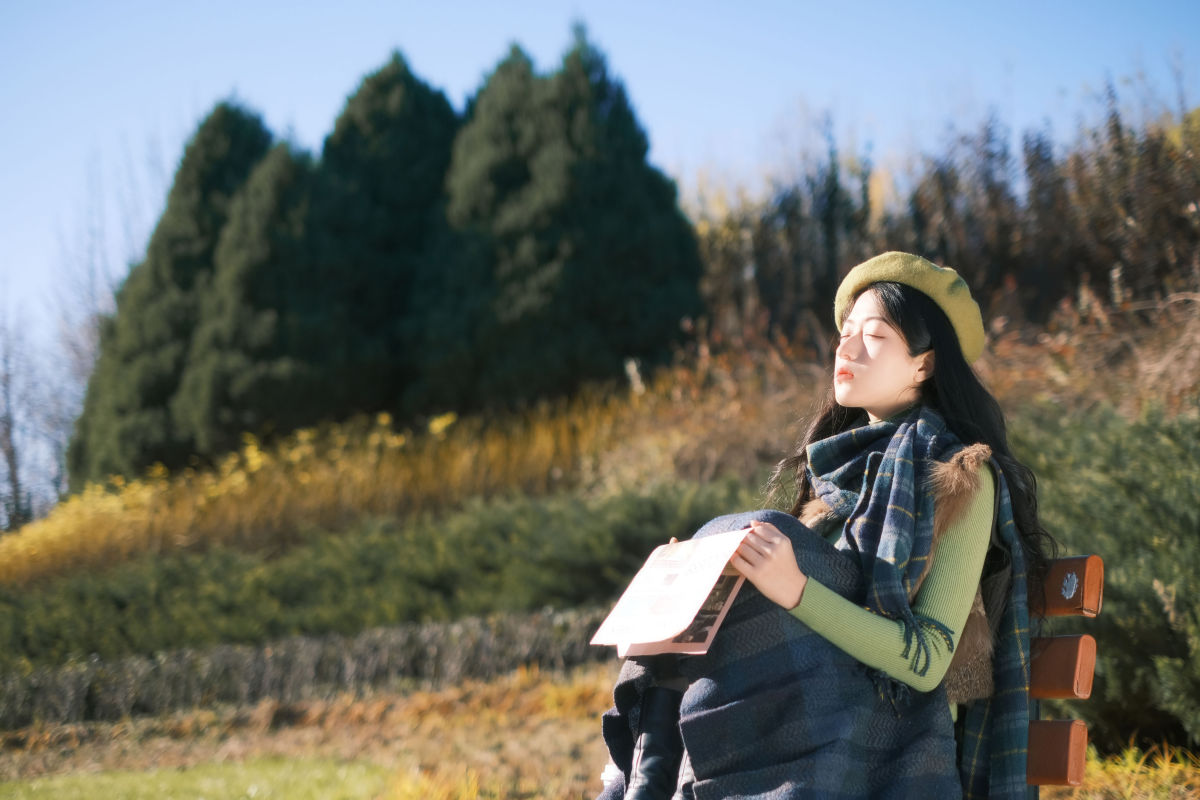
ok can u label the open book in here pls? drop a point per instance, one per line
(677, 600)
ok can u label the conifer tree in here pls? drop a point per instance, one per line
(254, 364)
(127, 424)
(1052, 249)
(589, 259)
(378, 207)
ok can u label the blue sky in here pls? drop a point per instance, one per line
(98, 98)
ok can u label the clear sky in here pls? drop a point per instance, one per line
(99, 97)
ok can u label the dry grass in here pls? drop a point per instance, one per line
(1162, 773)
(259, 779)
(527, 735)
(261, 499)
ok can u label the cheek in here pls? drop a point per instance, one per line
(901, 377)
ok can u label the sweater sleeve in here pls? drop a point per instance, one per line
(946, 596)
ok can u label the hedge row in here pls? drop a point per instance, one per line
(299, 667)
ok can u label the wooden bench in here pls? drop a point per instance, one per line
(1062, 667)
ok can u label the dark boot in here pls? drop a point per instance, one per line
(659, 747)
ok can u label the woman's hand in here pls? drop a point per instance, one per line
(765, 557)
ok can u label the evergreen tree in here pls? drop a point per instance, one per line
(811, 233)
(127, 423)
(1053, 255)
(378, 209)
(255, 359)
(589, 259)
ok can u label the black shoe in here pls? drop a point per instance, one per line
(659, 747)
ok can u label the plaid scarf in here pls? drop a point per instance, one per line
(873, 477)
(995, 737)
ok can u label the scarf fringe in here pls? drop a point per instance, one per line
(914, 634)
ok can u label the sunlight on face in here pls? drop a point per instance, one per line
(872, 369)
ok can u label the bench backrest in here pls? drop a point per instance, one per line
(1062, 667)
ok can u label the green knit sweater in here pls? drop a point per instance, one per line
(946, 596)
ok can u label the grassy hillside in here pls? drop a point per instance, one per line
(361, 525)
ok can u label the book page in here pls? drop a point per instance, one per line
(670, 590)
(697, 637)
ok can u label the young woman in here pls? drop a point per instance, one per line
(886, 650)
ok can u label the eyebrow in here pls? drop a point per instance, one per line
(884, 320)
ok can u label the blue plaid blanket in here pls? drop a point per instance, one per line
(776, 711)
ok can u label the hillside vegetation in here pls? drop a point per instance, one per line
(329, 532)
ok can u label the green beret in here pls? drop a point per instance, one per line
(943, 285)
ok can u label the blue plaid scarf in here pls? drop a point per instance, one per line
(873, 478)
(995, 740)
(868, 477)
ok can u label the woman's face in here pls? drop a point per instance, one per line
(872, 369)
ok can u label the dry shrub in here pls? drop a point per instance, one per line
(1129, 358)
(260, 499)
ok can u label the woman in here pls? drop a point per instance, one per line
(886, 651)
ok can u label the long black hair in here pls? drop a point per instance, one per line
(955, 392)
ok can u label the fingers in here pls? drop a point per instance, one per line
(765, 557)
(756, 551)
(764, 538)
(748, 554)
(761, 543)
(755, 548)
(743, 564)
(767, 529)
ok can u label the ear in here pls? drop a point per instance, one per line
(924, 366)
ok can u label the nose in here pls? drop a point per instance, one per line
(846, 348)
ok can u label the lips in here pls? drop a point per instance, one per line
(843, 374)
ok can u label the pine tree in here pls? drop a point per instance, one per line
(589, 259)
(1053, 255)
(255, 361)
(378, 209)
(127, 424)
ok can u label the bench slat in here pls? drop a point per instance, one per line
(1057, 752)
(1062, 667)
(1074, 587)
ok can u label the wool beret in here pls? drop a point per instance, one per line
(943, 285)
